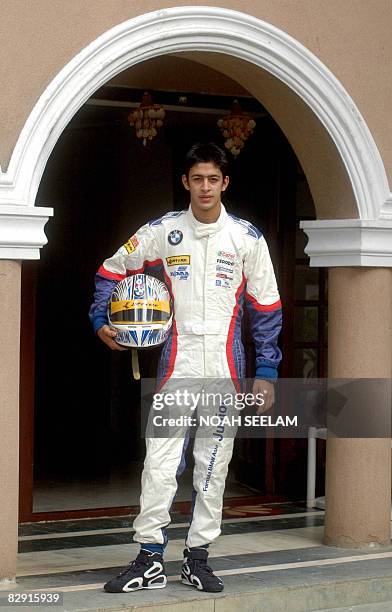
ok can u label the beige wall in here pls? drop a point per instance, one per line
(358, 471)
(9, 415)
(352, 38)
(370, 352)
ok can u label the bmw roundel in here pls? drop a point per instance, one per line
(175, 237)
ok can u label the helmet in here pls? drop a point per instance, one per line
(140, 310)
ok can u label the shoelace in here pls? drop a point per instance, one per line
(135, 564)
(202, 565)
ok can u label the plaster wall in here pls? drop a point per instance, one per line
(9, 415)
(351, 38)
(367, 354)
(359, 346)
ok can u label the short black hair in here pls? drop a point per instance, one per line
(201, 153)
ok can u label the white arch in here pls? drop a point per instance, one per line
(198, 28)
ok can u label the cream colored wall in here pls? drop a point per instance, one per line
(359, 346)
(352, 38)
(9, 415)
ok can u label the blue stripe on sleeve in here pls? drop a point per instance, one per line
(98, 310)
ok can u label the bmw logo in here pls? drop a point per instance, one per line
(175, 237)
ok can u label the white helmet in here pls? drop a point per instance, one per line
(140, 311)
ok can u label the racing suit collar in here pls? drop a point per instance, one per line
(206, 229)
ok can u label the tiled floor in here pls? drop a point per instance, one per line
(279, 549)
(104, 543)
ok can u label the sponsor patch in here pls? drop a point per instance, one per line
(175, 237)
(182, 273)
(225, 262)
(222, 283)
(178, 260)
(131, 244)
(224, 269)
(221, 275)
(226, 255)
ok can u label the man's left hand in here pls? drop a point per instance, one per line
(267, 390)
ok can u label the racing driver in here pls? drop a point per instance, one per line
(212, 263)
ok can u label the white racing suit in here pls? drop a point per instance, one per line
(211, 270)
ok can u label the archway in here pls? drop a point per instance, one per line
(99, 182)
(180, 30)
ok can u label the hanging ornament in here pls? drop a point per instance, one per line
(147, 118)
(236, 129)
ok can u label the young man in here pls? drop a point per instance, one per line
(212, 263)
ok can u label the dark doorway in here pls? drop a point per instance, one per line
(80, 404)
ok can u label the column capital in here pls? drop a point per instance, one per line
(22, 231)
(349, 242)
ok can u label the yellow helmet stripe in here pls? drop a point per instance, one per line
(121, 305)
(118, 323)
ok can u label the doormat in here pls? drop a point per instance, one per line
(245, 507)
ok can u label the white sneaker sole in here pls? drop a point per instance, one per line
(195, 586)
(158, 586)
(140, 588)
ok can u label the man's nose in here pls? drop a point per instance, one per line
(206, 184)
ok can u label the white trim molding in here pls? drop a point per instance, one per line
(22, 231)
(197, 28)
(349, 242)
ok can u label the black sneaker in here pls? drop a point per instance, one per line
(147, 571)
(197, 573)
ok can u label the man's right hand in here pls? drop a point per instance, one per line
(108, 336)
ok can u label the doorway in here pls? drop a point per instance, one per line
(79, 402)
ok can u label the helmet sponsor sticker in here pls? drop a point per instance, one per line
(121, 305)
(131, 244)
(175, 237)
(177, 260)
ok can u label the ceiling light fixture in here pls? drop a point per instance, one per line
(147, 118)
(236, 128)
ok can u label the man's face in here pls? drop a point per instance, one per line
(205, 184)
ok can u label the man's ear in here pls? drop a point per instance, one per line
(185, 182)
(225, 183)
